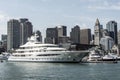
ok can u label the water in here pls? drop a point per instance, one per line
(59, 71)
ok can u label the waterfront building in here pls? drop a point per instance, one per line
(62, 34)
(119, 37)
(13, 32)
(63, 39)
(75, 34)
(111, 26)
(98, 28)
(4, 37)
(92, 39)
(85, 36)
(18, 31)
(49, 40)
(39, 36)
(26, 30)
(106, 41)
(4, 41)
(0, 44)
(116, 49)
(62, 30)
(53, 34)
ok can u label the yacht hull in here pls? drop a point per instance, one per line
(62, 57)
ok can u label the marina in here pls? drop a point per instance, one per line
(59, 40)
(96, 57)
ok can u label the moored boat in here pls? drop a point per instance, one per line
(34, 51)
(94, 56)
(4, 56)
(110, 57)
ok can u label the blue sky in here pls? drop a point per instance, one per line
(50, 13)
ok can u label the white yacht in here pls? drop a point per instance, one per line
(94, 56)
(34, 51)
(110, 57)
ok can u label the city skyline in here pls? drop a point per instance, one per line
(50, 13)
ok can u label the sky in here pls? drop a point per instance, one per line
(50, 13)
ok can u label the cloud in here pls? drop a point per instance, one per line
(1, 16)
(113, 7)
(4, 17)
(106, 6)
(46, 0)
(84, 26)
(80, 18)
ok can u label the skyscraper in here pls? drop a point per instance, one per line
(97, 32)
(111, 26)
(18, 31)
(75, 34)
(85, 36)
(106, 41)
(62, 30)
(26, 30)
(119, 37)
(13, 32)
(53, 34)
(62, 34)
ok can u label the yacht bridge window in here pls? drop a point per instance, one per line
(48, 54)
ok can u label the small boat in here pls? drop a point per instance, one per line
(110, 57)
(118, 58)
(4, 56)
(94, 56)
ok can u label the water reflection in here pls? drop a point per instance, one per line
(23, 70)
(58, 71)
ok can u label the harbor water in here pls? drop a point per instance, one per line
(59, 71)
